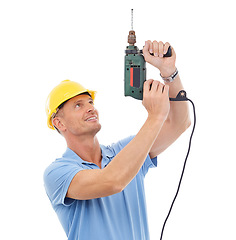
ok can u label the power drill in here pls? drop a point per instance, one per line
(135, 66)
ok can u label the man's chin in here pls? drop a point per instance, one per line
(96, 129)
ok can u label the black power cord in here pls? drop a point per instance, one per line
(181, 97)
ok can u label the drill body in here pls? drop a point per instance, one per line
(135, 72)
(135, 69)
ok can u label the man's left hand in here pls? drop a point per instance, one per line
(166, 65)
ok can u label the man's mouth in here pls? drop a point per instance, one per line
(93, 118)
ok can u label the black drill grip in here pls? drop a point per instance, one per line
(168, 54)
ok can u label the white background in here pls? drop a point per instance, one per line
(44, 42)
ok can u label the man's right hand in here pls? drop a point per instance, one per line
(156, 99)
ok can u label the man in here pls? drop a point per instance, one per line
(98, 191)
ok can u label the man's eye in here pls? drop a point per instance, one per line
(77, 105)
(91, 102)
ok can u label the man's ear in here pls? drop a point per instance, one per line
(58, 123)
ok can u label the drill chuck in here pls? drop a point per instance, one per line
(131, 38)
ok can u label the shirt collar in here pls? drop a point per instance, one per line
(107, 154)
(71, 154)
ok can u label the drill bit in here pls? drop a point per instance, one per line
(132, 37)
(132, 23)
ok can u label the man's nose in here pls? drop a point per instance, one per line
(90, 108)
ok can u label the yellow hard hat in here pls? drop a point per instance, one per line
(64, 91)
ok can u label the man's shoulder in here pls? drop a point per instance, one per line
(123, 142)
(57, 165)
(64, 163)
(115, 147)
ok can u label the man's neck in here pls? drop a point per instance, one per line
(87, 149)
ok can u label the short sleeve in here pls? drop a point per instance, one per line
(57, 179)
(149, 163)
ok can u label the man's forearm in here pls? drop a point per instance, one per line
(124, 167)
(179, 111)
(177, 121)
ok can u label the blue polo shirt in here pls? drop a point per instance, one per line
(121, 216)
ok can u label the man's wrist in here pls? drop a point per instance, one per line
(171, 78)
(167, 72)
(155, 120)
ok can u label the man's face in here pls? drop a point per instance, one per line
(79, 117)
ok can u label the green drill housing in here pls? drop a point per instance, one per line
(135, 72)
